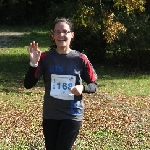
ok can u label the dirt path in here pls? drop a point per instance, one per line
(10, 39)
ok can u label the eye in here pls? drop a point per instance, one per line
(57, 32)
(65, 32)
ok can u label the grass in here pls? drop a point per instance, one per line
(124, 82)
(116, 117)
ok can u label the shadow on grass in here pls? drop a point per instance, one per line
(42, 38)
(12, 71)
(14, 67)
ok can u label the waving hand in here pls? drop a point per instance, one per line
(34, 52)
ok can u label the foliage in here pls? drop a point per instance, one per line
(20, 12)
(130, 5)
(113, 24)
(112, 28)
(91, 12)
(101, 27)
(133, 47)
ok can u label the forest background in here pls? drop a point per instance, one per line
(116, 31)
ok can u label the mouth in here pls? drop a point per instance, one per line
(62, 40)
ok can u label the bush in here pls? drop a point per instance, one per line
(133, 47)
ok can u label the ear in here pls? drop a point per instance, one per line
(51, 34)
(72, 33)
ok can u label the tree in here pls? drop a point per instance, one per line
(104, 20)
(99, 14)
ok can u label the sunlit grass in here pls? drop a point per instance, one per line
(123, 82)
(129, 87)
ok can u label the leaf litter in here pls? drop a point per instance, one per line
(117, 121)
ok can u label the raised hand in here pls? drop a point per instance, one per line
(34, 52)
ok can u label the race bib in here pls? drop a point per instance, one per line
(61, 85)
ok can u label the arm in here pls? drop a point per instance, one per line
(30, 79)
(79, 89)
(89, 76)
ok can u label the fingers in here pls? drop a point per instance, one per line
(36, 45)
(33, 46)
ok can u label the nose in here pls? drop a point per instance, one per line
(61, 33)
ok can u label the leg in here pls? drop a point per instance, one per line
(50, 130)
(68, 132)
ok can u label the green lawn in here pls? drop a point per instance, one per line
(116, 117)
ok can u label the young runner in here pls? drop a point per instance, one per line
(63, 70)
